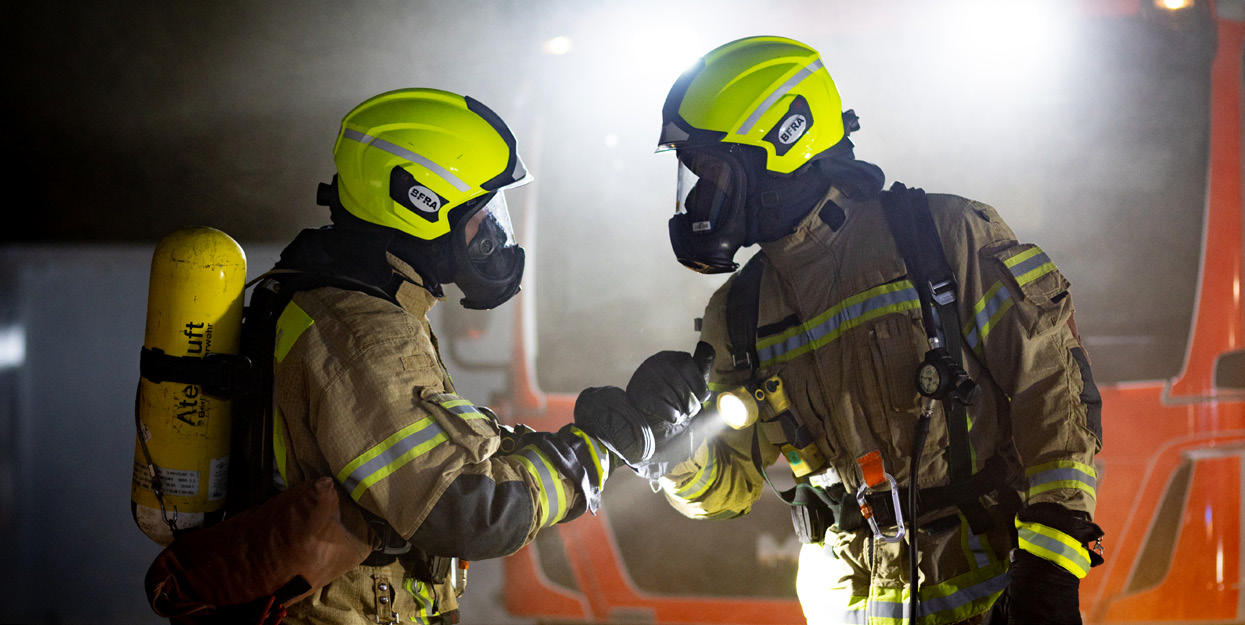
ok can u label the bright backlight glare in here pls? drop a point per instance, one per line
(737, 413)
(1016, 40)
(558, 45)
(1173, 5)
(12, 347)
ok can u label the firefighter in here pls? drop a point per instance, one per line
(1005, 473)
(360, 391)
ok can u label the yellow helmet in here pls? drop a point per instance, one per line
(768, 92)
(406, 158)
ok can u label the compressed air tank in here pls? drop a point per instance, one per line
(194, 309)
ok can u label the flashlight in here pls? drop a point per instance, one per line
(737, 407)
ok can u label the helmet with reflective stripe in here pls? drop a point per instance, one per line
(406, 158)
(768, 92)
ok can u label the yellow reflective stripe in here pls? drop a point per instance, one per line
(718, 387)
(1029, 265)
(830, 325)
(701, 481)
(1062, 474)
(949, 602)
(977, 549)
(463, 408)
(549, 486)
(987, 313)
(1051, 544)
(422, 593)
(278, 443)
(600, 455)
(290, 325)
(389, 455)
(1022, 257)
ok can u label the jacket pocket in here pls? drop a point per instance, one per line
(895, 356)
(1034, 282)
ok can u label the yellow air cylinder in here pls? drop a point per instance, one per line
(194, 308)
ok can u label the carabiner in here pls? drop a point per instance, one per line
(866, 511)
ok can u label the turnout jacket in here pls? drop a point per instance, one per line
(840, 323)
(361, 395)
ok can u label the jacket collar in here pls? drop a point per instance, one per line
(812, 237)
(411, 293)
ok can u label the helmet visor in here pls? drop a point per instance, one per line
(489, 238)
(706, 188)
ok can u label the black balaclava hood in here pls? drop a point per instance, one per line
(778, 203)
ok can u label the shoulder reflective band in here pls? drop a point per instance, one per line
(390, 455)
(781, 91)
(1062, 474)
(552, 498)
(701, 480)
(828, 326)
(600, 456)
(1029, 265)
(461, 407)
(290, 325)
(1051, 544)
(402, 152)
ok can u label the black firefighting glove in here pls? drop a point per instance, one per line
(1048, 566)
(605, 413)
(669, 387)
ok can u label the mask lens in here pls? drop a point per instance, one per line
(705, 187)
(489, 239)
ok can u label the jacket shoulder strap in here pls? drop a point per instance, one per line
(742, 311)
(916, 237)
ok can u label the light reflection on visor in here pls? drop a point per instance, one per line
(705, 187)
(488, 234)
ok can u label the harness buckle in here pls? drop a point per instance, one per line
(866, 511)
(942, 293)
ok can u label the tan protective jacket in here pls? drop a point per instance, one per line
(361, 395)
(839, 323)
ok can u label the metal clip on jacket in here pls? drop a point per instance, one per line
(866, 511)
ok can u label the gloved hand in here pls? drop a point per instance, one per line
(1047, 568)
(605, 414)
(669, 387)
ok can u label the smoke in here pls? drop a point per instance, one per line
(1087, 131)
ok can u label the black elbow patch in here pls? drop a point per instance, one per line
(1089, 393)
(477, 519)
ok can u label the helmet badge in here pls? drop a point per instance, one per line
(792, 128)
(796, 122)
(424, 199)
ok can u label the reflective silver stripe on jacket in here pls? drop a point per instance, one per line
(845, 315)
(778, 93)
(398, 150)
(389, 455)
(935, 605)
(550, 488)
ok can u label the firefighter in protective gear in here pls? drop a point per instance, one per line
(764, 158)
(361, 393)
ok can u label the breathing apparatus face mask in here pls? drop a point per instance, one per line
(710, 220)
(488, 262)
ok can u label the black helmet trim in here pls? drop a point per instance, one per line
(401, 152)
(514, 170)
(676, 131)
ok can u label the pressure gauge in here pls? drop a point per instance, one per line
(928, 379)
